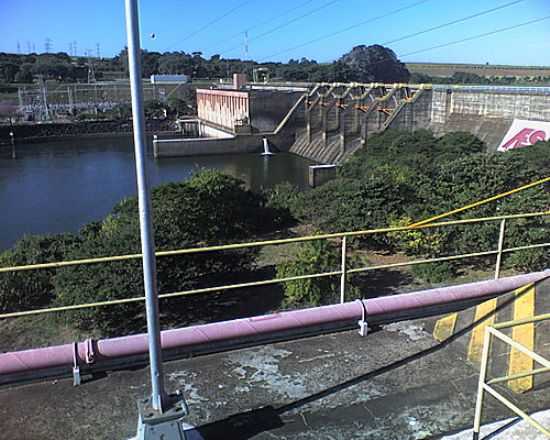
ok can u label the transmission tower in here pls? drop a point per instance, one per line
(97, 51)
(33, 48)
(75, 49)
(70, 48)
(28, 47)
(245, 45)
(18, 47)
(47, 44)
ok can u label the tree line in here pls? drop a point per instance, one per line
(362, 63)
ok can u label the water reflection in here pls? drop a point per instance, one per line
(59, 186)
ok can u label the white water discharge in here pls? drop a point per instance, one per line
(266, 148)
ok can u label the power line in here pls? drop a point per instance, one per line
(475, 37)
(293, 20)
(450, 23)
(405, 37)
(210, 23)
(463, 40)
(348, 28)
(270, 20)
(282, 14)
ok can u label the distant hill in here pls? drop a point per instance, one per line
(483, 70)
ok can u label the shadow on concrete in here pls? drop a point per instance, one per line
(267, 418)
(502, 429)
(242, 426)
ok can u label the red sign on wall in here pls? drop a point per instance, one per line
(523, 133)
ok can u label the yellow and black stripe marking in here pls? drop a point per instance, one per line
(485, 315)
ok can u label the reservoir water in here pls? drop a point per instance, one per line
(59, 186)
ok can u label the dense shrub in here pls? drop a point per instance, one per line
(31, 289)
(285, 200)
(477, 176)
(314, 257)
(434, 273)
(210, 208)
(347, 204)
(401, 177)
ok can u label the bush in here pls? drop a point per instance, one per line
(285, 201)
(210, 208)
(434, 273)
(527, 231)
(425, 242)
(313, 257)
(31, 289)
(477, 176)
(346, 204)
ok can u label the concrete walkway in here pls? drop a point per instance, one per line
(395, 384)
(509, 429)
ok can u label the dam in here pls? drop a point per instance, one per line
(327, 122)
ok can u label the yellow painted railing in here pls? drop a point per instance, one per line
(486, 386)
(343, 272)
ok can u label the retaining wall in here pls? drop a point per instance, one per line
(47, 131)
(242, 143)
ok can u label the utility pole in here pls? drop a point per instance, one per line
(91, 72)
(70, 99)
(20, 98)
(44, 93)
(160, 416)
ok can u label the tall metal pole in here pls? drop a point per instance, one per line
(147, 241)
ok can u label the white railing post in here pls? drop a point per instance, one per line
(481, 384)
(500, 247)
(343, 276)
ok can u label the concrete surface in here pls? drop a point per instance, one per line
(397, 383)
(510, 429)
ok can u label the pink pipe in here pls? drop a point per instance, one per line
(62, 355)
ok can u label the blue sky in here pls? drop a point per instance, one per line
(173, 21)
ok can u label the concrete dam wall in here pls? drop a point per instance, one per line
(328, 122)
(339, 118)
(486, 112)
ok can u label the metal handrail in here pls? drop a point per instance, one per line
(484, 385)
(253, 244)
(343, 272)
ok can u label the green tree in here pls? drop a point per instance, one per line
(312, 257)
(210, 208)
(25, 290)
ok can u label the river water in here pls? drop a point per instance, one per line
(59, 186)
